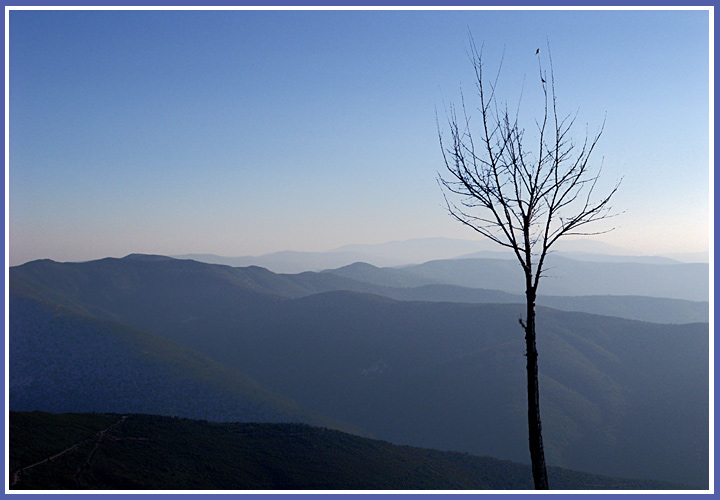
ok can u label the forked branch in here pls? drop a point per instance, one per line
(519, 200)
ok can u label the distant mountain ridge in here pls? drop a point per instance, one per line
(581, 256)
(563, 276)
(421, 250)
(394, 253)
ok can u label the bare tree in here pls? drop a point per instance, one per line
(521, 199)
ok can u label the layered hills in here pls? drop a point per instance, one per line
(619, 397)
(427, 282)
(563, 277)
(143, 452)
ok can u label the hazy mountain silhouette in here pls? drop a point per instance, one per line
(295, 262)
(392, 253)
(420, 250)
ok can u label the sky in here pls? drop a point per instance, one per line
(248, 132)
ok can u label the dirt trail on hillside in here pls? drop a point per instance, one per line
(100, 434)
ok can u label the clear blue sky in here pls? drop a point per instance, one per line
(243, 132)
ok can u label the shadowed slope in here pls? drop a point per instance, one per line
(148, 452)
(62, 362)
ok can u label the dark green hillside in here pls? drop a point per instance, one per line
(151, 452)
(61, 362)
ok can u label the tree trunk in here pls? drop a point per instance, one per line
(537, 454)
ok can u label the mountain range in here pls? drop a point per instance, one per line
(619, 397)
(562, 277)
(643, 297)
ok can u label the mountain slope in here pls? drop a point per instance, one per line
(62, 362)
(150, 452)
(451, 376)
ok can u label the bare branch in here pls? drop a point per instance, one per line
(509, 196)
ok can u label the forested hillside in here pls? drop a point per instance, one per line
(141, 452)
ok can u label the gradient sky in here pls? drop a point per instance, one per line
(247, 132)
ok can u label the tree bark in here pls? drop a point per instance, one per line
(537, 454)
